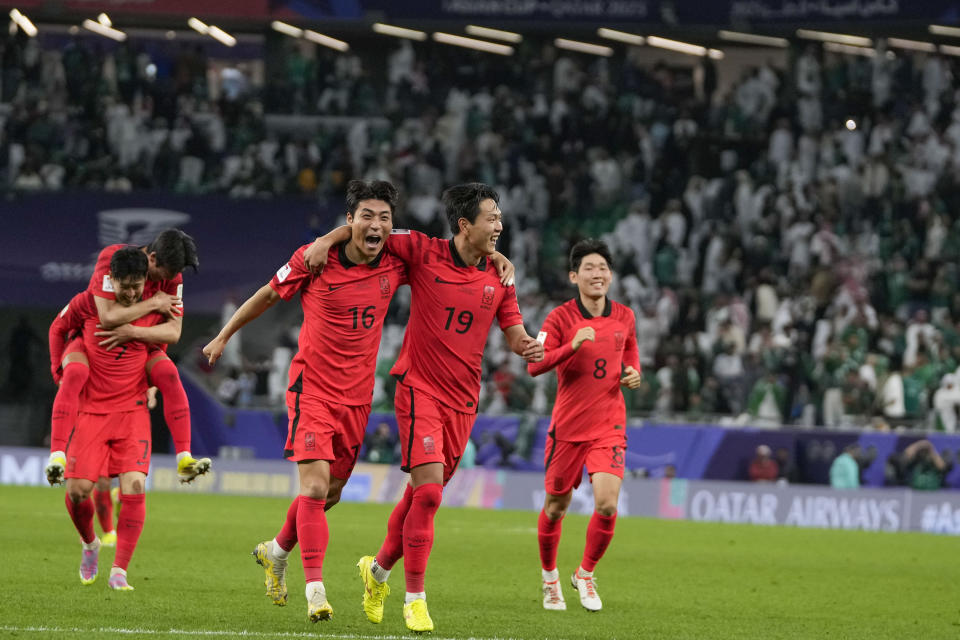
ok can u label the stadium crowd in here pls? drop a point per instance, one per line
(788, 244)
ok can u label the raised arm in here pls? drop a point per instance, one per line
(263, 299)
(315, 257)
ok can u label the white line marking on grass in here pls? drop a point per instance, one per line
(228, 632)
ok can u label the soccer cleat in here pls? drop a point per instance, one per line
(417, 617)
(317, 606)
(189, 468)
(587, 586)
(88, 565)
(118, 581)
(109, 539)
(374, 593)
(55, 468)
(276, 570)
(553, 596)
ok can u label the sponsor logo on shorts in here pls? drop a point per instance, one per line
(428, 446)
(310, 441)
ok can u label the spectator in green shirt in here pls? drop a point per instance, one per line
(925, 469)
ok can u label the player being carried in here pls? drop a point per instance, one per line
(592, 342)
(331, 377)
(456, 297)
(112, 432)
(167, 256)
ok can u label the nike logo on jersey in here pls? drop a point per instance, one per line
(334, 288)
(439, 281)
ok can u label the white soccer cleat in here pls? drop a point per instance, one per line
(587, 587)
(553, 596)
(55, 468)
(318, 608)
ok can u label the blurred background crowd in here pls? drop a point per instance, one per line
(787, 236)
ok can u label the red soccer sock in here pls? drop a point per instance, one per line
(287, 538)
(104, 506)
(129, 526)
(82, 516)
(548, 535)
(392, 548)
(66, 404)
(313, 533)
(418, 534)
(176, 410)
(599, 535)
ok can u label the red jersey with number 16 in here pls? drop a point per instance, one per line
(343, 312)
(589, 402)
(450, 316)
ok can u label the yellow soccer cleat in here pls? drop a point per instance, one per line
(55, 468)
(374, 593)
(189, 468)
(115, 498)
(276, 571)
(109, 539)
(417, 617)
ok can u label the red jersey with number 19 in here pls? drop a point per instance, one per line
(589, 402)
(343, 313)
(450, 316)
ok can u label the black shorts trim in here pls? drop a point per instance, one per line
(413, 420)
(552, 434)
(296, 387)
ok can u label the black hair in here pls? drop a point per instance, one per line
(175, 251)
(360, 190)
(587, 246)
(128, 262)
(463, 201)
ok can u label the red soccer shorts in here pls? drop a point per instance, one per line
(430, 431)
(564, 460)
(109, 444)
(323, 430)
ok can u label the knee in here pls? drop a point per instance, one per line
(606, 507)
(135, 487)
(77, 494)
(554, 510)
(315, 489)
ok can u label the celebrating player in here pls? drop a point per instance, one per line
(331, 377)
(167, 256)
(456, 297)
(112, 431)
(592, 342)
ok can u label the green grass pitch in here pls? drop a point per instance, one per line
(193, 573)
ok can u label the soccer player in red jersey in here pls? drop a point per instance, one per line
(167, 256)
(457, 295)
(112, 431)
(331, 377)
(592, 342)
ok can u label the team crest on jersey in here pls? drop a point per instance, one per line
(488, 292)
(384, 286)
(618, 340)
(428, 446)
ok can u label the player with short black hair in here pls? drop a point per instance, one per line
(457, 294)
(592, 342)
(174, 251)
(112, 431)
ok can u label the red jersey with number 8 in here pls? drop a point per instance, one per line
(589, 402)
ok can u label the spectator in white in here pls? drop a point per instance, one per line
(728, 369)
(875, 177)
(648, 332)
(809, 113)
(919, 124)
(892, 396)
(28, 179)
(936, 235)
(799, 238)
(606, 175)
(808, 72)
(919, 333)
(946, 401)
(825, 245)
(881, 80)
(765, 299)
(674, 223)
(936, 78)
(881, 135)
(400, 63)
(566, 75)
(665, 381)
(780, 149)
